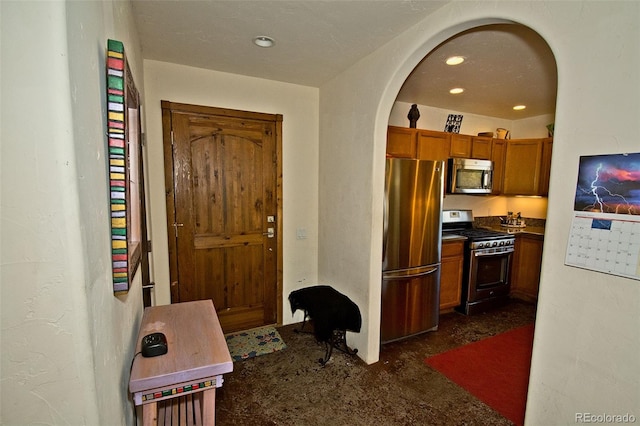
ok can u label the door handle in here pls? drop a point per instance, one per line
(150, 285)
(271, 232)
(175, 227)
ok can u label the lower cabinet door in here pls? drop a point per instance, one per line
(451, 278)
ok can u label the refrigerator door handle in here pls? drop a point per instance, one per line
(385, 223)
(409, 274)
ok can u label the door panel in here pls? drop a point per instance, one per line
(225, 180)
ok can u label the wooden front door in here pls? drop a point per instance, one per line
(223, 184)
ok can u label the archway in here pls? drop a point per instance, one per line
(398, 112)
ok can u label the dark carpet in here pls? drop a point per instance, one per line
(290, 387)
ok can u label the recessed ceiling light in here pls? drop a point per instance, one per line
(519, 107)
(455, 60)
(263, 41)
(456, 91)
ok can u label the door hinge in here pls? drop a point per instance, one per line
(172, 140)
(143, 139)
(149, 250)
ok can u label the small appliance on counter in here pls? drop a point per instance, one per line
(512, 220)
(487, 262)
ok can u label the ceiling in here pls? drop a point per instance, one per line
(317, 40)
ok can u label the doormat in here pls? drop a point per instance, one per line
(252, 343)
(494, 370)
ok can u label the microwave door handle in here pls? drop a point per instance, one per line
(486, 178)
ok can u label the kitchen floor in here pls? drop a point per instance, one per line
(290, 387)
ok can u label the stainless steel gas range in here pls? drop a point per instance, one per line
(487, 262)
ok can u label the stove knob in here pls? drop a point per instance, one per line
(495, 243)
(501, 243)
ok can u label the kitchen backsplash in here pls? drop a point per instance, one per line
(491, 221)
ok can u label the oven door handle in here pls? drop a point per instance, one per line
(491, 253)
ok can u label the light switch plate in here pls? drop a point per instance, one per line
(301, 233)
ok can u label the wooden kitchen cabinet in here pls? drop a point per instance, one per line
(465, 146)
(498, 148)
(527, 166)
(481, 147)
(545, 168)
(401, 142)
(433, 145)
(404, 142)
(460, 146)
(522, 167)
(525, 269)
(451, 274)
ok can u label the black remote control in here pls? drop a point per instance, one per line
(154, 344)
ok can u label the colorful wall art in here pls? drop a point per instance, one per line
(454, 121)
(117, 164)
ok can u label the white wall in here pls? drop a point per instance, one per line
(432, 118)
(530, 207)
(299, 107)
(585, 355)
(67, 342)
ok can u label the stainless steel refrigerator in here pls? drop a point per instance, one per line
(411, 247)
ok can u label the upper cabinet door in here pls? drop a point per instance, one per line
(481, 147)
(401, 142)
(498, 148)
(522, 167)
(433, 145)
(460, 145)
(545, 169)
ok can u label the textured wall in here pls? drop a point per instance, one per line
(586, 344)
(67, 342)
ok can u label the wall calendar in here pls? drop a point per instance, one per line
(605, 230)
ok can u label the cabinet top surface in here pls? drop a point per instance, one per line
(197, 348)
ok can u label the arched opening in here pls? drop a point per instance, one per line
(504, 65)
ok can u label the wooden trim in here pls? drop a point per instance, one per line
(170, 202)
(168, 108)
(222, 112)
(279, 219)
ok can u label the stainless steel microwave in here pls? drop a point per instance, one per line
(469, 176)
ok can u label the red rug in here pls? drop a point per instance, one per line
(495, 370)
